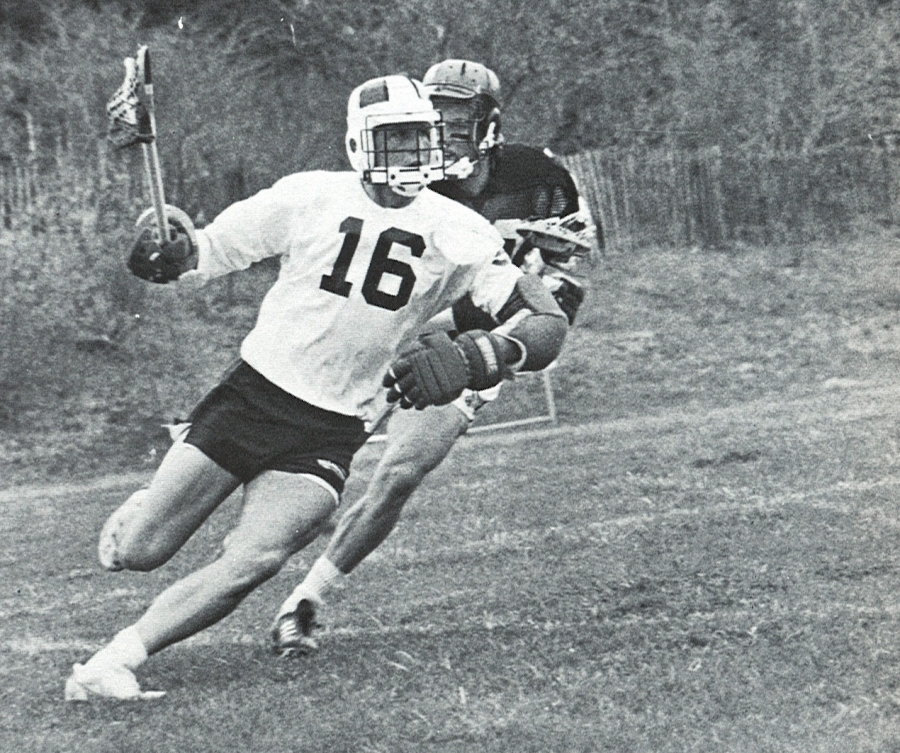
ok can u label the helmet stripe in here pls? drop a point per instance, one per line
(376, 92)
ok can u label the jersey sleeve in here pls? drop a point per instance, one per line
(494, 283)
(253, 229)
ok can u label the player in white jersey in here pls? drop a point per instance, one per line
(535, 199)
(367, 258)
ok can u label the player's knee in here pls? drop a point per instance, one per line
(142, 554)
(140, 560)
(123, 543)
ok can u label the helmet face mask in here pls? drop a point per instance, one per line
(467, 126)
(394, 135)
(405, 156)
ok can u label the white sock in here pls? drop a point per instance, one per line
(126, 648)
(321, 578)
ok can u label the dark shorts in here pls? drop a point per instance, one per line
(248, 425)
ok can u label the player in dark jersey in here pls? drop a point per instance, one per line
(534, 203)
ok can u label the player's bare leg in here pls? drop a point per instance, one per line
(417, 442)
(155, 522)
(282, 513)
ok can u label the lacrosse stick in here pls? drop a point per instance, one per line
(375, 424)
(132, 120)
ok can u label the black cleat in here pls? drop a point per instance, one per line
(292, 634)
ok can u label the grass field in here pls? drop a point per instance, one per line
(702, 556)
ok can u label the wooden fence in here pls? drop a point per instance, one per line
(19, 188)
(712, 197)
(68, 194)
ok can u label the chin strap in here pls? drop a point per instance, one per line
(490, 139)
(460, 170)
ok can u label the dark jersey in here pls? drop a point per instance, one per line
(524, 183)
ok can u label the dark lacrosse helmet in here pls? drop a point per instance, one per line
(468, 96)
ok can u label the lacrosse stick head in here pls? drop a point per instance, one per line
(561, 241)
(129, 118)
(142, 64)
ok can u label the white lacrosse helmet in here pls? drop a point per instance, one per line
(394, 135)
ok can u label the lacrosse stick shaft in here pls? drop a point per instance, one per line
(157, 194)
(151, 154)
(386, 410)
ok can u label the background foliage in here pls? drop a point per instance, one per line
(689, 122)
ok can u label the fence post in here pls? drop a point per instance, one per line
(610, 191)
(714, 157)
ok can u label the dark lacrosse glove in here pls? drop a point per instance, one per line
(435, 370)
(165, 261)
(569, 297)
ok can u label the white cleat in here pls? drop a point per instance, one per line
(106, 681)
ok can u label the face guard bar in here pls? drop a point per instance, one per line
(394, 160)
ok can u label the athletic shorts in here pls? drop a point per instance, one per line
(248, 425)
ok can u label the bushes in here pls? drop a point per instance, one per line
(92, 360)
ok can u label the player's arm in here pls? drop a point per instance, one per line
(245, 232)
(225, 246)
(465, 315)
(532, 320)
(552, 247)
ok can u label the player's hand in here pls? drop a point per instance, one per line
(162, 261)
(432, 371)
(569, 296)
(435, 369)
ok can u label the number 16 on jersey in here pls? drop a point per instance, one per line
(381, 264)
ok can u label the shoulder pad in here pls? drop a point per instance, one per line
(531, 295)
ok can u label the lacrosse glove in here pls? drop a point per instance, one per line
(435, 370)
(163, 261)
(569, 297)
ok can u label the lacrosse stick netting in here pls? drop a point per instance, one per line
(132, 120)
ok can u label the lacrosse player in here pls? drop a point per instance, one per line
(533, 200)
(367, 258)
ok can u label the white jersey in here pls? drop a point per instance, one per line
(356, 280)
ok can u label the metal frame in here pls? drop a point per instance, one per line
(548, 397)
